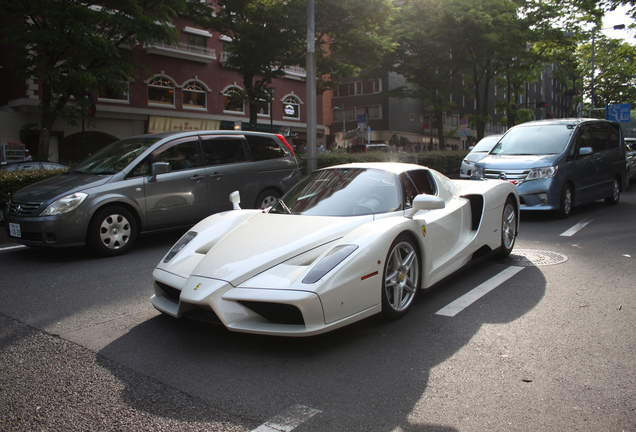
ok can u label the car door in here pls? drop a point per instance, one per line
(179, 197)
(227, 169)
(584, 169)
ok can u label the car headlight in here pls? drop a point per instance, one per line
(178, 247)
(478, 172)
(329, 262)
(467, 162)
(541, 173)
(65, 204)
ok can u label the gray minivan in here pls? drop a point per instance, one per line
(558, 164)
(148, 183)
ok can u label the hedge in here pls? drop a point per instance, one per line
(13, 181)
(446, 162)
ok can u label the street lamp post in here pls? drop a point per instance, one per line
(343, 125)
(616, 27)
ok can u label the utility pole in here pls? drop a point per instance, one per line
(311, 88)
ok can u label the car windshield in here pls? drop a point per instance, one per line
(342, 192)
(115, 157)
(534, 140)
(486, 144)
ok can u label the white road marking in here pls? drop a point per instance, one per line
(576, 228)
(288, 420)
(475, 294)
(11, 247)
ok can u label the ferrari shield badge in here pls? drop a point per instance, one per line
(424, 231)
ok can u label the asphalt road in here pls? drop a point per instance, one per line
(552, 347)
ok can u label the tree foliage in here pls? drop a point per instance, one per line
(74, 48)
(267, 35)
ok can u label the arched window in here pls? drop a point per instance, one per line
(232, 100)
(194, 95)
(161, 91)
(291, 107)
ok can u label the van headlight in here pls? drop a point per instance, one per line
(65, 204)
(541, 173)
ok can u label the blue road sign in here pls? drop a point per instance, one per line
(618, 112)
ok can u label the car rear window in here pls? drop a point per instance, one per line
(264, 148)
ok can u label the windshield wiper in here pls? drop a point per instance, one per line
(284, 206)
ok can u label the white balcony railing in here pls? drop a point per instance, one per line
(184, 51)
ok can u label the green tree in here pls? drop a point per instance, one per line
(268, 35)
(74, 48)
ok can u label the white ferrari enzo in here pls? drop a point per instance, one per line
(345, 243)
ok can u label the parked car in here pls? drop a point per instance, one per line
(32, 166)
(151, 183)
(363, 148)
(559, 164)
(630, 157)
(479, 151)
(345, 243)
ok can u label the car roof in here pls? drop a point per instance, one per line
(178, 134)
(564, 121)
(393, 167)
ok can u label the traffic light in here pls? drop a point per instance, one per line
(542, 104)
(571, 93)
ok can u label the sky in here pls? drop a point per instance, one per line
(619, 16)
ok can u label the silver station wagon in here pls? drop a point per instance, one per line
(151, 183)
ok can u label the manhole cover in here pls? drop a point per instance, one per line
(531, 257)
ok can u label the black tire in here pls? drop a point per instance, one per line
(401, 278)
(565, 202)
(616, 194)
(267, 198)
(112, 231)
(509, 224)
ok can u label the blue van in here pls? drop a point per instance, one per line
(561, 163)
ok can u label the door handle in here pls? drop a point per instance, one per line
(197, 178)
(216, 176)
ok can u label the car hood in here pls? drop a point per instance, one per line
(476, 156)
(55, 187)
(267, 240)
(517, 161)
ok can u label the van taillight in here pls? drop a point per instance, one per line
(282, 138)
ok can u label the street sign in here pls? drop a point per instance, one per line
(618, 112)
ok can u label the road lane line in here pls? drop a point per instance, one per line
(576, 228)
(288, 420)
(475, 294)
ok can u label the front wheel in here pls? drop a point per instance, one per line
(112, 231)
(565, 202)
(508, 229)
(616, 194)
(401, 277)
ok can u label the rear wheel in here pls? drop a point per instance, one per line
(616, 194)
(112, 231)
(267, 198)
(508, 228)
(401, 277)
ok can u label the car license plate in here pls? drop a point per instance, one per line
(14, 230)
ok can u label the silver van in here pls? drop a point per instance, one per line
(558, 164)
(151, 183)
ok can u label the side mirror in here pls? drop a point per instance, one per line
(235, 199)
(160, 168)
(585, 151)
(426, 202)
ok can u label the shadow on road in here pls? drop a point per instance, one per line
(368, 376)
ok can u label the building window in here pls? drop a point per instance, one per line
(113, 94)
(161, 91)
(291, 107)
(197, 43)
(232, 100)
(194, 95)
